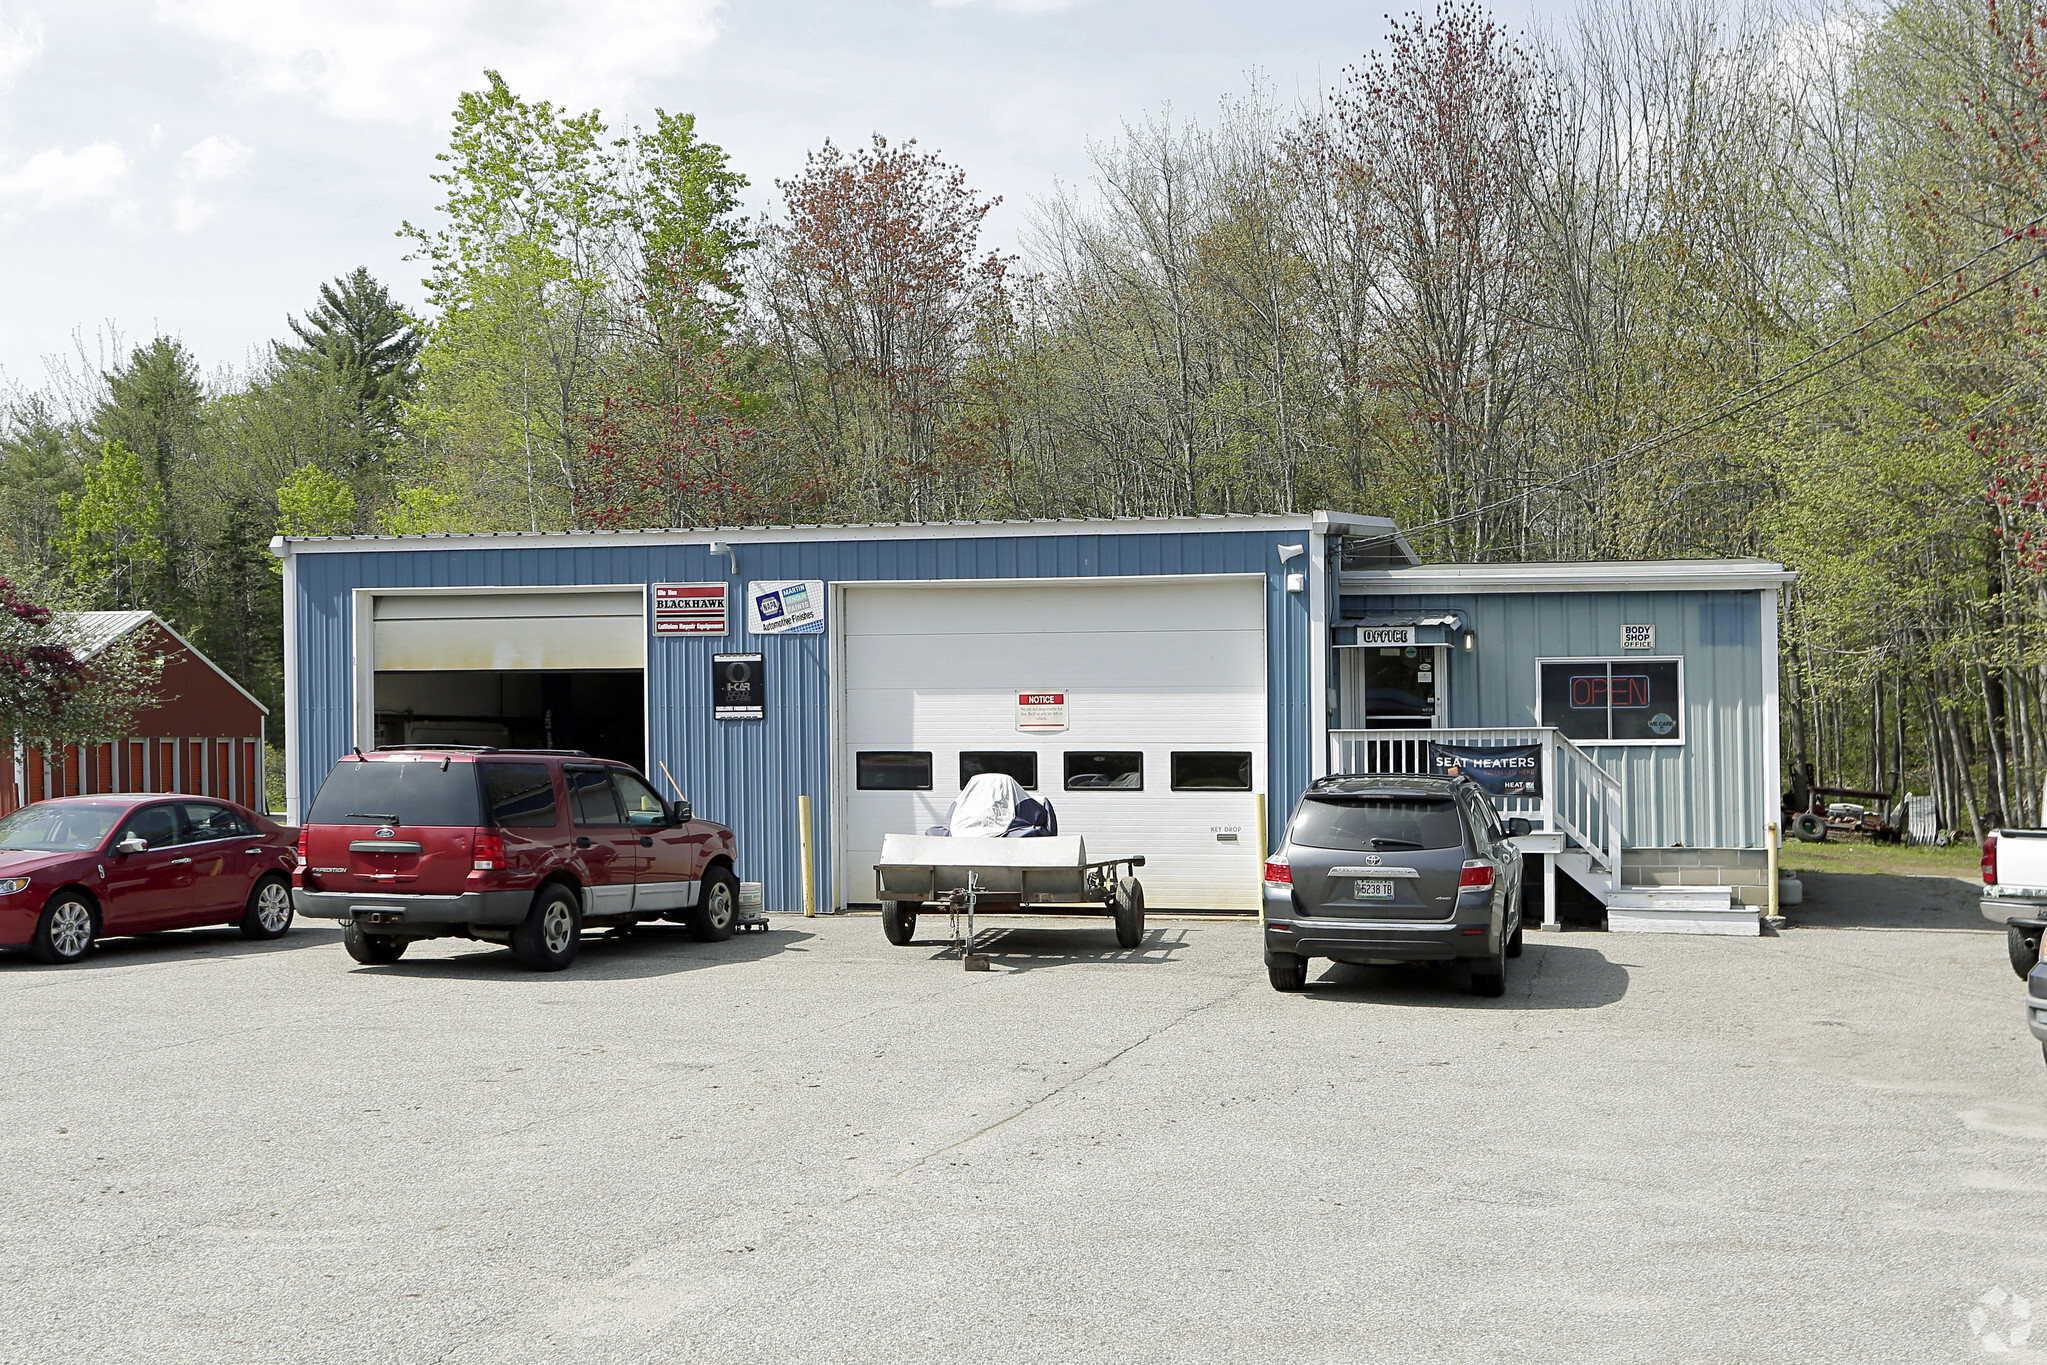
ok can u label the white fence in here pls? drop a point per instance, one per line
(1580, 799)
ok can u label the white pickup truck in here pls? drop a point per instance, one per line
(2015, 895)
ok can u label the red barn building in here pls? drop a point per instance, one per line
(202, 736)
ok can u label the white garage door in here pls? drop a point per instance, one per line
(552, 631)
(1161, 679)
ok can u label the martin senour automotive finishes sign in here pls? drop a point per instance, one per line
(1041, 712)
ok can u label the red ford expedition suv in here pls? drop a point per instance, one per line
(520, 847)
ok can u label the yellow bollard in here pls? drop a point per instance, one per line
(1262, 851)
(809, 869)
(1770, 874)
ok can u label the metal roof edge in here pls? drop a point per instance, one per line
(145, 616)
(1348, 524)
(742, 536)
(1588, 576)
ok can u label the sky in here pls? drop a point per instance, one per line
(197, 168)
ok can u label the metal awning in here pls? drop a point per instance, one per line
(1396, 629)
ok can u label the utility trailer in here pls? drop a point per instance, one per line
(965, 875)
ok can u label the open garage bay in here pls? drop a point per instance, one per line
(811, 1146)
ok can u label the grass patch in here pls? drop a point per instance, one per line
(1960, 860)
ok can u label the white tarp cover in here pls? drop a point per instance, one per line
(986, 807)
(935, 850)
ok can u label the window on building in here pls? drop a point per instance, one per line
(892, 771)
(1211, 772)
(1614, 701)
(1123, 772)
(1021, 764)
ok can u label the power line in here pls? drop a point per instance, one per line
(1770, 388)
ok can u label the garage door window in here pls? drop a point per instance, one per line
(521, 795)
(1123, 772)
(892, 771)
(1211, 772)
(1020, 764)
(1614, 701)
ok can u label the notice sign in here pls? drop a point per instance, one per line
(1041, 713)
(1385, 635)
(786, 608)
(1511, 770)
(689, 609)
(739, 687)
(1638, 637)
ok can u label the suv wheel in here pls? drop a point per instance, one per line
(552, 931)
(269, 911)
(2022, 945)
(1129, 909)
(717, 908)
(1288, 971)
(372, 950)
(1514, 941)
(899, 922)
(1489, 974)
(66, 930)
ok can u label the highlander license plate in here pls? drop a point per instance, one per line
(1371, 889)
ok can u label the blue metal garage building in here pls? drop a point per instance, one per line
(1156, 676)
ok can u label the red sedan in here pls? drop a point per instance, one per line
(82, 867)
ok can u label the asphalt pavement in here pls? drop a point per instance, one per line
(1829, 1145)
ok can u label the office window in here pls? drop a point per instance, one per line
(1123, 772)
(1212, 772)
(892, 771)
(1021, 764)
(1614, 701)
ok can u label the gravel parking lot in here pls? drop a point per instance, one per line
(808, 1145)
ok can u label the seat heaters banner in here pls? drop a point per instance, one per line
(1504, 770)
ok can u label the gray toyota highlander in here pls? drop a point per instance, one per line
(1389, 868)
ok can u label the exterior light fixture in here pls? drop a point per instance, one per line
(1470, 641)
(719, 547)
(1287, 552)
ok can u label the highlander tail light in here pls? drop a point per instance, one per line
(1476, 875)
(490, 851)
(1990, 859)
(1278, 871)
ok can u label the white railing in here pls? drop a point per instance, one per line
(1580, 799)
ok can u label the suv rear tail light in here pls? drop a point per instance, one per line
(1278, 871)
(490, 851)
(1476, 874)
(1990, 860)
(305, 841)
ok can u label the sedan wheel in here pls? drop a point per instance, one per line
(269, 911)
(65, 932)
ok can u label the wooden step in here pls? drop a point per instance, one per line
(1680, 910)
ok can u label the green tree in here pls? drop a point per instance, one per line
(39, 469)
(313, 502)
(112, 543)
(357, 338)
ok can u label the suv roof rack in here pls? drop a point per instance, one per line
(475, 749)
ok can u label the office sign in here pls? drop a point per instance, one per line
(689, 609)
(1385, 635)
(793, 607)
(1638, 637)
(1505, 770)
(739, 687)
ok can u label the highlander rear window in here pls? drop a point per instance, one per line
(398, 792)
(1352, 822)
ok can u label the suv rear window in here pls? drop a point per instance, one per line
(398, 792)
(521, 795)
(1353, 822)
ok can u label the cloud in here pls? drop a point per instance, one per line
(406, 60)
(188, 214)
(56, 177)
(217, 158)
(21, 43)
(1012, 6)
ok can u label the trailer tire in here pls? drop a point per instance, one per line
(1129, 910)
(899, 922)
(1809, 827)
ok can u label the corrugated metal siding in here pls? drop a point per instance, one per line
(1708, 793)
(749, 774)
